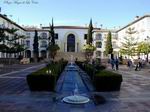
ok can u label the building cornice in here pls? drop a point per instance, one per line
(133, 22)
(12, 22)
(70, 27)
(33, 29)
(105, 30)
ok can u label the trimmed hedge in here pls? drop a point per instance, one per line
(107, 81)
(43, 81)
(89, 68)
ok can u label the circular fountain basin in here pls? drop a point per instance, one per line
(76, 99)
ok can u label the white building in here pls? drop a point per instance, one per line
(142, 27)
(6, 23)
(100, 38)
(43, 42)
(71, 39)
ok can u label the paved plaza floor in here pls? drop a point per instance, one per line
(15, 96)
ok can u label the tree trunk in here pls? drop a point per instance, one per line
(35, 58)
(147, 57)
(112, 56)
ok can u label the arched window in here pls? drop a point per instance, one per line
(43, 44)
(28, 43)
(28, 53)
(71, 43)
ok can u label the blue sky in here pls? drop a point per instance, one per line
(110, 13)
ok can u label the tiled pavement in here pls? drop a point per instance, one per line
(134, 95)
(15, 67)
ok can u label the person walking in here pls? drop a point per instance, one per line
(117, 63)
(129, 64)
(138, 65)
(112, 63)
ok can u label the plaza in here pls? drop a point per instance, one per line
(74, 56)
(133, 96)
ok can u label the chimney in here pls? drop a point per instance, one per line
(136, 17)
(5, 15)
(41, 26)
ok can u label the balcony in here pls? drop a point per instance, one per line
(43, 38)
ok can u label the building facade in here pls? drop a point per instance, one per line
(6, 23)
(100, 38)
(71, 39)
(141, 26)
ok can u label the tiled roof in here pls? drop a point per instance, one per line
(4, 17)
(133, 22)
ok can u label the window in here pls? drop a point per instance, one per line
(43, 44)
(114, 36)
(28, 43)
(56, 35)
(85, 36)
(44, 35)
(2, 55)
(98, 36)
(99, 44)
(114, 44)
(2, 26)
(28, 34)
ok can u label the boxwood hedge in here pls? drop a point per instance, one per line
(107, 81)
(42, 80)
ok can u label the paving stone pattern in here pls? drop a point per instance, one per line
(134, 95)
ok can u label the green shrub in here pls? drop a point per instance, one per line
(42, 80)
(89, 68)
(100, 67)
(79, 63)
(107, 81)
